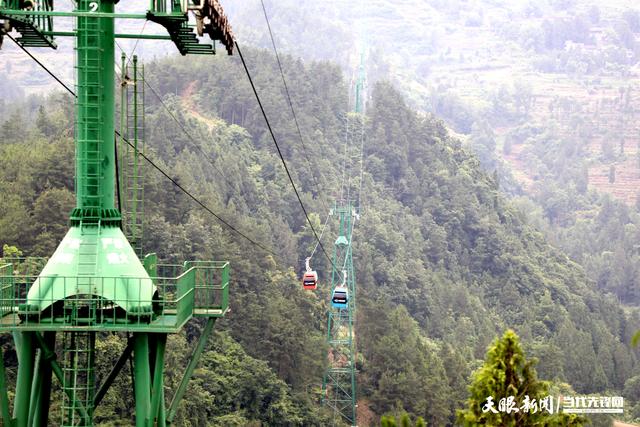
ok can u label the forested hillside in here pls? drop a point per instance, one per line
(543, 92)
(444, 262)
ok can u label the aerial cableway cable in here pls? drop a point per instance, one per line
(202, 205)
(135, 46)
(194, 198)
(180, 125)
(284, 163)
(42, 65)
(293, 112)
(326, 221)
(295, 119)
(158, 168)
(191, 138)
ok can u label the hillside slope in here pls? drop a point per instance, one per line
(436, 236)
(444, 263)
(543, 92)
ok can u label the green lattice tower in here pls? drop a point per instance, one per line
(359, 89)
(132, 130)
(95, 282)
(339, 382)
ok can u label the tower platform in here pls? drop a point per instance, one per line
(192, 289)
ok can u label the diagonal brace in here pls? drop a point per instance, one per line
(195, 358)
(104, 387)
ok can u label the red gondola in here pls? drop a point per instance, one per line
(310, 277)
(310, 280)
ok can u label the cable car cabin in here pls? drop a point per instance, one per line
(340, 297)
(310, 280)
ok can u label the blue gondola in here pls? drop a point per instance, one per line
(340, 297)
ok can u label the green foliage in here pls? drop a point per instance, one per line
(443, 261)
(229, 383)
(403, 367)
(228, 388)
(635, 339)
(10, 251)
(405, 421)
(507, 373)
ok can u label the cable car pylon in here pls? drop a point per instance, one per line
(339, 382)
(95, 282)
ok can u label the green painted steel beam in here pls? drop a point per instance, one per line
(4, 398)
(142, 378)
(195, 358)
(95, 158)
(124, 357)
(42, 418)
(25, 376)
(73, 14)
(133, 209)
(142, 37)
(36, 388)
(157, 395)
(117, 35)
(162, 413)
(50, 357)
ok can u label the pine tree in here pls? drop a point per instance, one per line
(505, 373)
(388, 421)
(405, 421)
(612, 174)
(43, 123)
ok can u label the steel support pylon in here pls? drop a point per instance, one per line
(95, 281)
(339, 382)
(131, 146)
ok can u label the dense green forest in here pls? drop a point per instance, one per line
(444, 262)
(506, 359)
(540, 89)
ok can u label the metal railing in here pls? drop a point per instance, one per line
(41, 22)
(98, 302)
(211, 297)
(196, 288)
(212, 287)
(25, 266)
(6, 289)
(169, 6)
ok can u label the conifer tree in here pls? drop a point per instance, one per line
(507, 373)
(405, 421)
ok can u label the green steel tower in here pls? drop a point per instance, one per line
(95, 282)
(131, 146)
(339, 382)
